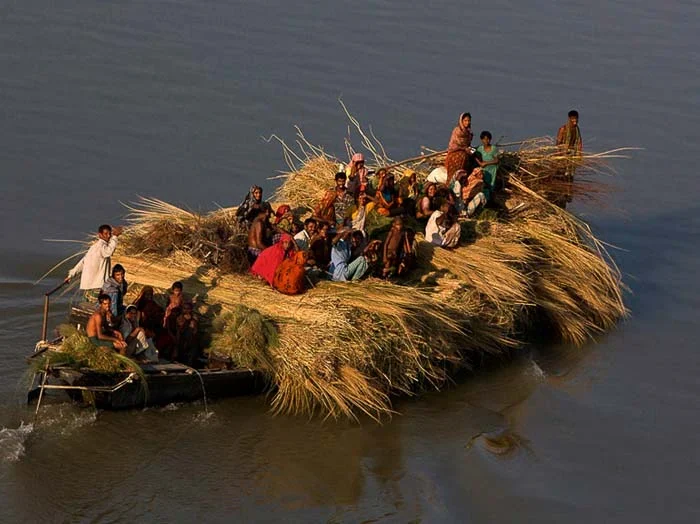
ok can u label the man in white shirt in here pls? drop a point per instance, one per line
(95, 266)
(303, 237)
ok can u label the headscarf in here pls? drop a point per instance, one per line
(267, 262)
(249, 202)
(281, 211)
(357, 178)
(461, 136)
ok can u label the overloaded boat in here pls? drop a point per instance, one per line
(524, 265)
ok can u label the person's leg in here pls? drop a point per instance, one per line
(357, 268)
(102, 343)
(451, 238)
(475, 204)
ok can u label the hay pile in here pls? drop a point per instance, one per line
(78, 351)
(341, 349)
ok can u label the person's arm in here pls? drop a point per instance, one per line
(342, 234)
(77, 269)
(116, 341)
(561, 135)
(108, 249)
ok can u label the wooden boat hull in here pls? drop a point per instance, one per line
(166, 384)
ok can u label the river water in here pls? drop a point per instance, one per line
(104, 101)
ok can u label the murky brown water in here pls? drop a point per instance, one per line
(103, 101)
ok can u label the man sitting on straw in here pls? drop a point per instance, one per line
(303, 237)
(342, 268)
(98, 330)
(94, 267)
(443, 229)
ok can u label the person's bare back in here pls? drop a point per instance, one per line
(257, 232)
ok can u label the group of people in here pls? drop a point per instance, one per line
(334, 242)
(144, 329)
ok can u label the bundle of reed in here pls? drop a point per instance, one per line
(160, 228)
(77, 351)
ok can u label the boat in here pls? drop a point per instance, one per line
(155, 384)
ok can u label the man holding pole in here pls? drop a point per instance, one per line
(95, 266)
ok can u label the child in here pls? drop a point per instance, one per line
(175, 301)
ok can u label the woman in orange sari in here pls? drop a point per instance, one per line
(459, 148)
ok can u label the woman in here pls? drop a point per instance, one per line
(387, 197)
(253, 201)
(443, 229)
(358, 214)
(290, 275)
(471, 194)
(459, 148)
(357, 174)
(409, 191)
(488, 163)
(282, 223)
(426, 205)
(269, 260)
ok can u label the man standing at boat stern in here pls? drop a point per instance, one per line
(94, 267)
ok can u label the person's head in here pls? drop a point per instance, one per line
(256, 192)
(187, 308)
(104, 232)
(147, 293)
(131, 312)
(340, 179)
(284, 211)
(411, 175)
(358, 160)
(389, 180)
(465, 120)
(573, 117)
(286, 242)
(362, 198)
(176, 288)
(356, 238)
(323, 229)
(445, 206)
(430, 190)
(118, 273)
(310, 225)
(485, 137)
(104, 301)
(397, 223)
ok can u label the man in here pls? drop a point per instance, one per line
(569, 135)
(303, 237)
(94, 267)
(569, 140)
(342, 267)
(336, 203)
(257, 235)
(135, 336)
(116, 286)
(98, 330)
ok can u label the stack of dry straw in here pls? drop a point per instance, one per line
(343, 349)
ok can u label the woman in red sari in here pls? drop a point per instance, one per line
(267, 262)
(459, 148)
